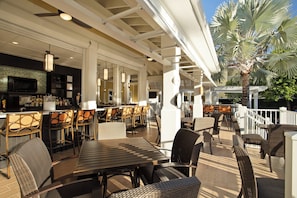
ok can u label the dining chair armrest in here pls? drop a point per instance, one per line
(46, 189)
(173, 165)
(71, 189)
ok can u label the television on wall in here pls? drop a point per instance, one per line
(153, 94)
(19, 84)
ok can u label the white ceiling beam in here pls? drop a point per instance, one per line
(147, 35)
(122, 14)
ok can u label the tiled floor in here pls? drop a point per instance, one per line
(218, 173)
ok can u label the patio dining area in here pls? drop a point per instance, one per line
(218, 173)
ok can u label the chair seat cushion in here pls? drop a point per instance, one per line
(272, 188)
(252, 139)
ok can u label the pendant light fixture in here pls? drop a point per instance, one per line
(48, 61)
(123, 76)
(105, 72)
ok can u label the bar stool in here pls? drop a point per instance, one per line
(136, 115)
(107, 116)
(84, 119)
(59, 121)
(144, 113)
(126, 114)
(17, 125)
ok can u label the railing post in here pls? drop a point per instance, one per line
(242, 118)
(283, 115)
(291, 164)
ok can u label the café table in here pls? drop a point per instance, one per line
(108, 156)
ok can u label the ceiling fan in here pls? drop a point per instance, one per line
(62, 15)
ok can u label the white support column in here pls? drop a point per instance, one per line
(290, 168)
(127, 90)
(170, 114)
(116, 85)
(142, 86)
(89, 77)
(256, 97)
(198, 103)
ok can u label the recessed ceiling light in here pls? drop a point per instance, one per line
(71, 57)
(15, 42)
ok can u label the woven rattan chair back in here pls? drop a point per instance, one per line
(248, 180)
(186, 187)
(32, 171)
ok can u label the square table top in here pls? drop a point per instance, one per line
(101, 155)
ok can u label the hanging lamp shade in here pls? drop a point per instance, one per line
(105, 74)
(123, 77)
(48, 62)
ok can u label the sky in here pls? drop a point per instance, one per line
(210, 7)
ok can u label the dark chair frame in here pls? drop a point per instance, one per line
(253, 187)
(184, 159)
(33, 169)
(275, 143)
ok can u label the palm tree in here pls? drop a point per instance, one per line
(246, 32)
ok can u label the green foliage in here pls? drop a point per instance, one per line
(282, 88)
(258, 38)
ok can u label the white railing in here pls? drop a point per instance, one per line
(249, 121)
(252, 120)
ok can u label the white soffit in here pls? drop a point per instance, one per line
(193, 37)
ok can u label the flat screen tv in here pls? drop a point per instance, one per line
(152, 94)
(19, 84)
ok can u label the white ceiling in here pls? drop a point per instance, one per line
(126, 31)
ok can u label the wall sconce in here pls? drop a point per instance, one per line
(105, 74)
(48, 62)
(123, 77)
(98, 82)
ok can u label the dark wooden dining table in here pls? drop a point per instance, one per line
(106, 156)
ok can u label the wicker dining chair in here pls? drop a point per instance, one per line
(253, 187)
(217, 125)
(18, 125)
(34, 172)
(275, 143)
(204, 126)
(184, 159)
(185, 187)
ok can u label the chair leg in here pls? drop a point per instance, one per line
(270, 166)
(219, 139)
(210, 147)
